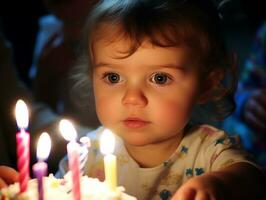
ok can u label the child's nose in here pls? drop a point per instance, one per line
(134, 97)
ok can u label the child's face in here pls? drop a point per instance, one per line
(146, 98)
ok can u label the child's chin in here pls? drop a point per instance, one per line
(137, 141)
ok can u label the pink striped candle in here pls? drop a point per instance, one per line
(73, 162)
(69, 133)
(23, 145)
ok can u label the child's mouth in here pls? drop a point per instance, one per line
(135, 123)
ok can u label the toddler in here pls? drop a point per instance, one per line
(151, 63)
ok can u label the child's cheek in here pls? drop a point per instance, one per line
(174, 114)
(106, 110)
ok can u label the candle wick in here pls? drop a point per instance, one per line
(22, 130)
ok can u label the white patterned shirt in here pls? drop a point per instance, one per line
(202, 149)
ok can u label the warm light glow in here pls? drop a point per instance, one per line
(107, 142)
(43, 146)
(22, 114)
(67, 130)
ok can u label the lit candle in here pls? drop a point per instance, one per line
(40, 168)
(23, 144)
(107, 144)
(69, 133)
(83, 154)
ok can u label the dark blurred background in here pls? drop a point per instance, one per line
(20, 26)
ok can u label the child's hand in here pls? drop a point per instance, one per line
(205, 187)
(7, 176)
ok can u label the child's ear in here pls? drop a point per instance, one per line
(211, 86)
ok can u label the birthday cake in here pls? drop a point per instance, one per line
(91, 189)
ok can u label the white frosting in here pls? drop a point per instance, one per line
(54, 189)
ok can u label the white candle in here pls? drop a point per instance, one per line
(83, 154)
(107, 144)
(69, 133)
(40, 168)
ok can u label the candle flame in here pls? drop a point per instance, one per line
(44, 146)
(22, 114)
(67, 130)
(107, 142)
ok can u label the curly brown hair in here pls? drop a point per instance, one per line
(168, 23)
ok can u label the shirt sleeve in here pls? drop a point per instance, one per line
(225, 150)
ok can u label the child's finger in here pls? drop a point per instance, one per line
(2, 184)
(8, 174)
(202, 196)
(185, 193)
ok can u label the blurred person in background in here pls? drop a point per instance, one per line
(42, 118)
(55, 55)
(20, 27)
(11, 88)
(50, 99)
(245, 37)
(250, 116)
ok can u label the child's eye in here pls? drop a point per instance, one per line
(112, 77)
(160, 78)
